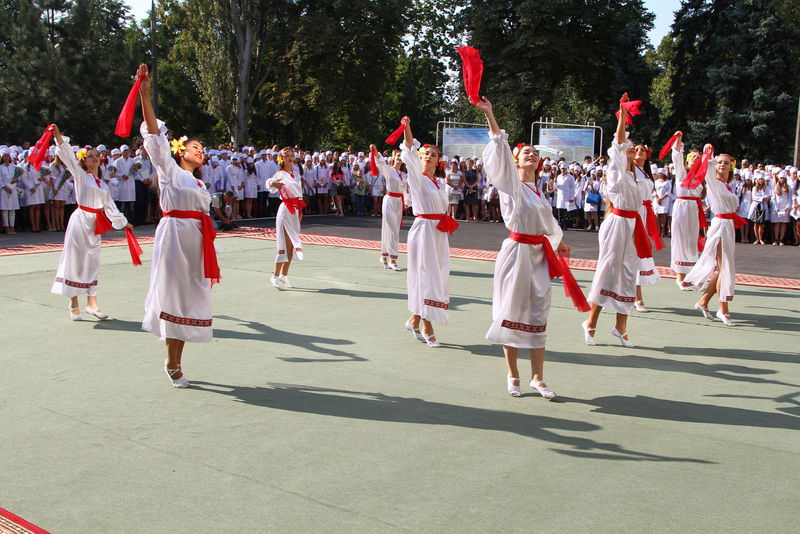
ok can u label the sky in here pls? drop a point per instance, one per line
(664, 10)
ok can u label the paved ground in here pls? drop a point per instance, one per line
(314, 411)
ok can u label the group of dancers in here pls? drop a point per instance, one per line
(184, 264)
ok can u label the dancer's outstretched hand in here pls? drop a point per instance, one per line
(406, 121)
(484, 105)
(145, 75)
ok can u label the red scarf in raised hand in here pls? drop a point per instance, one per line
(39, 150)
(395, 135)
(697, 173)
(373, 168)
(632, 107)
(571, 288)
(133, 246)
(125, 119)
(668, 146)
(472, 69)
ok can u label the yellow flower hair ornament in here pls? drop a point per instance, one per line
(178, 145)
(81, 154)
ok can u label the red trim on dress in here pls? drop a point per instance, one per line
(617, 297)
(647, 273)
(436, 304)
(184, 321)
(530, 328)
(80, 285)
(684, 263)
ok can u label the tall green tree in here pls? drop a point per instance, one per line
(735, 77)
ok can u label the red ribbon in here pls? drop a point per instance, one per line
(395, 135)
(697, 173)
(571, 288)
(102, 224)
(125, 119)
(39, 150)
(133, 246)
(472, 69)
(210, 265)
(554, 267)
(403, 200)
(738, 220)
(446, 223)
(701, 220)
(293, 204)
(668, 146)
(632, 107)
(640, 239)
(373, 168)
(652, 227)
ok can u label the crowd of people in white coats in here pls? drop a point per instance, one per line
(700, 199)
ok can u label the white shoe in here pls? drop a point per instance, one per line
(725, 318)
(415, 332)
(394, 267)
(639, 305)
(704, 311)
(276, 282)
(513, 390)
(431, 341)
(383, 263)
(589, 338)
(75, 316)
(683, 286)
(97, 313)
(625, 342)
(177, 382)
(285, 281)
(543, 390)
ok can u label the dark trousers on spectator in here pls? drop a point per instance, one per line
(261, 204)
(140, 206)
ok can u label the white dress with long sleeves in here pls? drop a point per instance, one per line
(236, 181)
(685, 223)
(647, 274)
(127, 180)
(663, 188)
(392, 210)
(286, 223)
(521, 296)
(79, 264)
(428, 276)
(9, 200)
(721, 236)
(614, 282)
(178, 304)
(782, 205)
(35, 185)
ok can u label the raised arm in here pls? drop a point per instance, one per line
(147, 102)
(408, 137)
(677, 159)
(623, 113)
(67, 156)
(486, 106)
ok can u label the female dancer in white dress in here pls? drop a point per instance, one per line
(522, 274)
(392, 210)
(79, 263)
(688, 218)
(428, 243)
(647, 274)
(287, 222)
(184, 265)
(715, 270)
(623, 241)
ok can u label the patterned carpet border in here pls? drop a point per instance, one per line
(12, 524)
(368, 244)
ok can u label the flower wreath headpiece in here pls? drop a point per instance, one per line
(81, 154)
(178, 145)
(516, 152)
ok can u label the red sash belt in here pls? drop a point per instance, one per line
(403, 200)
(643, 248)
(210, 265)
(557, 266)
(738, 220)
(293, 204)
(446, 223)
(652, 227)
(701, 219)
(102, 224)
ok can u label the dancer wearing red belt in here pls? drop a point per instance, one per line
(178, 305)
(623, 240)
(79, 264)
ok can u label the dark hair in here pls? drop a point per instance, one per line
(196, 172)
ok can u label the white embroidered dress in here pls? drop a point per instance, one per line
(614, 282)
(392, 210)
(286, 223)
(647, 274)
(79, 264)
(521, 297)
(178, 304)
(428, 275)
(685, 224)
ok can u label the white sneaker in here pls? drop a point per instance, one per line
(276, 282)
(639, 305)
(725, 318)
(285, 281)
(704, 311)
(625, 342)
